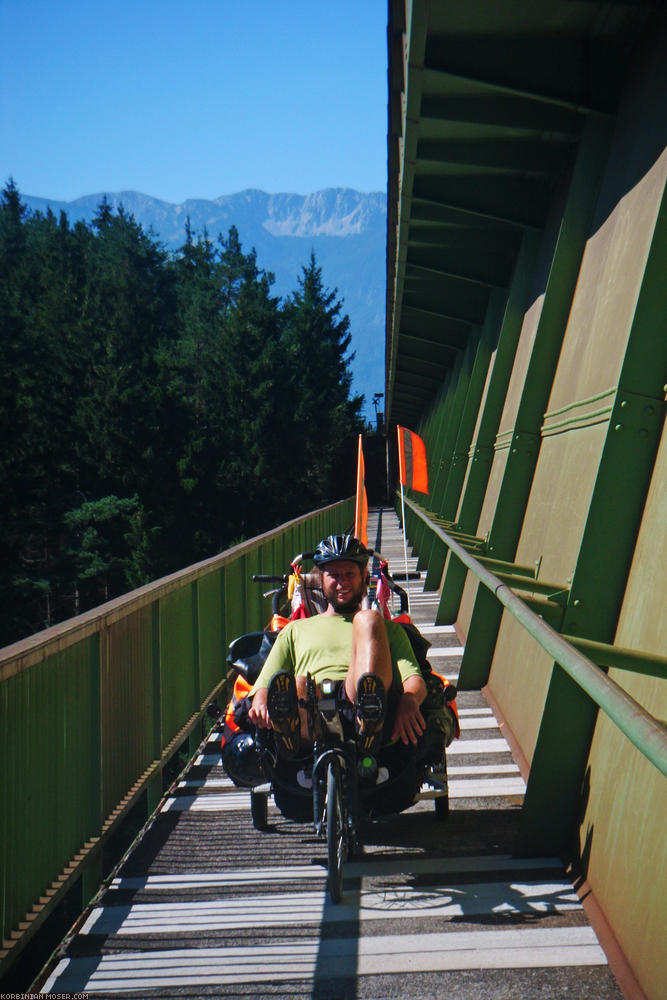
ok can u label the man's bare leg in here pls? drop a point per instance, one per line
(370, 652)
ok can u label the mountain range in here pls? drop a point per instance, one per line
(345, 228)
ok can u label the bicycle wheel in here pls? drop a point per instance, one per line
(336, 832)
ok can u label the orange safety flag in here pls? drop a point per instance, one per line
(412, 467)
(361, 504)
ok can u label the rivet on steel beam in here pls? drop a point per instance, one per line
(618, 427)
(649, 411)
(577, 603)
(624, 402)
(643, 432)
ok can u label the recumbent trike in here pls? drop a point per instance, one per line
(333, 785)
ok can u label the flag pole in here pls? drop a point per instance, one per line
(405, 547)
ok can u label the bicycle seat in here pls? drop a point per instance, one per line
(248, 652)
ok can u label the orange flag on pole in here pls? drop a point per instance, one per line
(361, 504)
(412, 467)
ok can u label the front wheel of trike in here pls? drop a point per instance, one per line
(336, 832)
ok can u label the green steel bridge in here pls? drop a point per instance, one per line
(527, 345)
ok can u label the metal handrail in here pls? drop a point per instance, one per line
(644, 731)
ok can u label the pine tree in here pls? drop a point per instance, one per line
(315, 343)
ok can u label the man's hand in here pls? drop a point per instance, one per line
(409, 723)
(259, 712)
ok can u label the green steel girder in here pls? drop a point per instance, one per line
(485, 104)
(414, 270)
(497, 115)
(620, 658)
(456, 403)
(554, 592)
(519, 156)
(464, 301)
(451, 494)
(510, 569)
(485, 202)
(606, 549)
(439, 225)
(525, 438)
(452, 333)
(545, 69)
(428, 350)
(432, 312)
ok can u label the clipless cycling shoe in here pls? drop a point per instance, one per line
(282, 703)
(371, 706)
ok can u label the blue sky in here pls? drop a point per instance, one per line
(192, 100)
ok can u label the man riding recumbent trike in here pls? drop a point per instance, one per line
(337, 713)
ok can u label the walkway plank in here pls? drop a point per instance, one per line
(208, 906)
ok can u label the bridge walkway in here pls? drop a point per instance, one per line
(206, 906)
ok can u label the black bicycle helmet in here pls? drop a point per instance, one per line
(242, 760)
(337, 547)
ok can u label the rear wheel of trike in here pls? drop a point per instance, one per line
(259, 809)
(336, 832)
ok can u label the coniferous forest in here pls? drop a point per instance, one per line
(155, 408)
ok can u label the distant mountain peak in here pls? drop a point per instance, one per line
(345, 228)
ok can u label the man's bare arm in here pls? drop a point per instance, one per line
(410, 722)
(259, 712)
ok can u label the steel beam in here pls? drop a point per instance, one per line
(481, 455)
(525, 440)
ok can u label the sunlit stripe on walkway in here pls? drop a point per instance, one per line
(240, 801)
(208, 760)
(207, 783)
(429, 630)
(478, 722)
(457, 747)
(364, 866)
(485, 788)
(226, 802)
(477, 747)
(445, 651)
(474, 711)
(207, 880)
(484, 769)
(282, 909)
(346, 957)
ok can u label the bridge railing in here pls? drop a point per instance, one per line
(646, 733)
(92, 710)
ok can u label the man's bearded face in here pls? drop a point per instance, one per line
(343, 584)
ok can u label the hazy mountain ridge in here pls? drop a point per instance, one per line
(345, 228)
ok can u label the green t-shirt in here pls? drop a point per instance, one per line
(322, 647)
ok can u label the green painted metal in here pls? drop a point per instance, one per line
(607, 545)
(645, 732)
(177, 649)
(449, 424)
(93, 708)
(525, 437)
(50, 746)
(452, 492)
(513, 569)
(482, 452)
(606, 655)
(458, 392)
(459, 462)
(212, 635)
